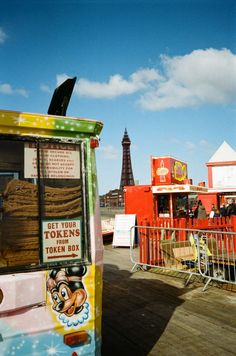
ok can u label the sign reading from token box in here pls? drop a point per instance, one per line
(61, 240)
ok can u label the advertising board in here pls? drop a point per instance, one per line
(168, 170)
(61, 240)
(56, 161)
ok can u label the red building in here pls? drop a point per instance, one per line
(171, 193)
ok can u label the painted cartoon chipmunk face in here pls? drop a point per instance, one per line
(67, 290)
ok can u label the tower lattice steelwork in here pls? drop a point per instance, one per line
(126, 173)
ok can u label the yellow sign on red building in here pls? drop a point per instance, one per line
(168, 170)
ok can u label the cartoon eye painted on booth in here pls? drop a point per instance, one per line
(56, 297)
(64, 293)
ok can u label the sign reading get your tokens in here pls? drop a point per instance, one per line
(61, 240)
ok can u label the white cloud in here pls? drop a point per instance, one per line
(3, 36)
(204, 143)
(109, 152)
(116, 85)
(201, 77)
(45, 88)
(8, 90)
(190, 146)
(61, 78)
(21, 92)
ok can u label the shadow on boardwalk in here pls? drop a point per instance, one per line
(135, 311)
(155, 314)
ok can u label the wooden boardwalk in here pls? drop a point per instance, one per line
(146, 313)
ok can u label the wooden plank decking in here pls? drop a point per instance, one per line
(146, 313)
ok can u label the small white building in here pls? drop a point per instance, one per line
(222, 173)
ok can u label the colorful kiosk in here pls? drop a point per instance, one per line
(51, 248)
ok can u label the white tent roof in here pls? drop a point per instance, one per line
(225, 153)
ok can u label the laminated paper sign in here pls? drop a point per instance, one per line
(56, 161)
(61, 240)
(124, 231)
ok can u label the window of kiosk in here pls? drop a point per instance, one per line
(164, 205)
(42, 221)
(180, 205)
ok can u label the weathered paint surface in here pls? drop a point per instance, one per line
(40, 329)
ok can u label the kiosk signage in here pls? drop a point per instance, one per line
(168, 170)
(61, 240)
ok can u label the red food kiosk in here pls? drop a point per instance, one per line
(171, 194)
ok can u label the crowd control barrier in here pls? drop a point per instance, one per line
(211, 254)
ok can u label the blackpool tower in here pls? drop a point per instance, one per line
(126, 172)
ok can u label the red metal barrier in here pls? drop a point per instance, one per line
(182, 225)
(221, 223)
(144, 243)
(154, 246)
(150, 252)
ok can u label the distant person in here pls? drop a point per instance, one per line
(201, 211)
(191, 213)
(223, 211)
(213, 211)
(195, 209)
(231, 208)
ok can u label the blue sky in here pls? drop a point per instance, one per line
(164, 69)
